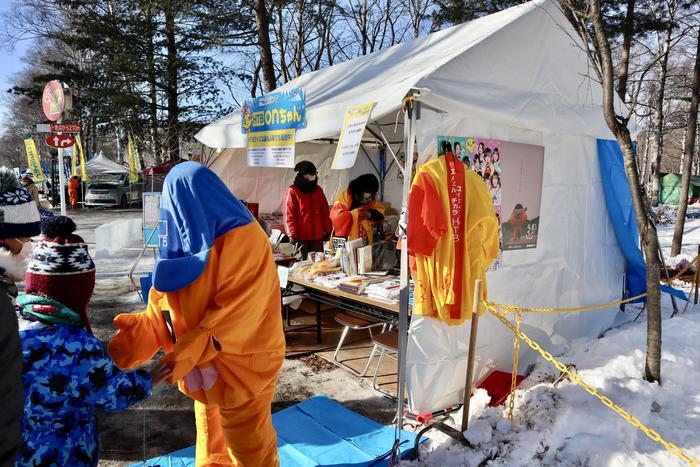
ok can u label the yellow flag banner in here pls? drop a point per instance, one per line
(83, 169)
(74, 162)
(33, 160)
(133, 161)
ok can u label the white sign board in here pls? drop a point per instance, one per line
(151, 218)
(273, 148)
(351, 135)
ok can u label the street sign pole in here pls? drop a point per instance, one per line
(61, 177)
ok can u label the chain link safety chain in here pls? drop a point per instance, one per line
(514, 374)
(514, 308)
(576, 379)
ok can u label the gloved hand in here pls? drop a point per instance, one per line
(375, 215)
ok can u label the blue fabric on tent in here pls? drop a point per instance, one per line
(621, 211)
(319, 432)
(619, 201)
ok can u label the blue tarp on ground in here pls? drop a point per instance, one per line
(319, 432)
(621, 211)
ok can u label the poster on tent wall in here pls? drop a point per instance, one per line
(274, 111)
(513, 174)
(521, 197)
(270, 122)
(351, 134)
(271, 149)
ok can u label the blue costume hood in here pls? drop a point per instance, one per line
(196, 208)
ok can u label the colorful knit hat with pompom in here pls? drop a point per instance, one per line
(19, 216)
(60, 267)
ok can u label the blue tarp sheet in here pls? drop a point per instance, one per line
(319, 432)
(619, 202)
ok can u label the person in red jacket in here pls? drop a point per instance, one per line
(306, 214)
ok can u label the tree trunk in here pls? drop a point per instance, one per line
(647, 230)
(659, 116)
(363, 26)
(280, 45)
(262, 19)
(688, 154)
(623, 73)
(119, 145)
(153, 94)
(299, 50)
(173, 143)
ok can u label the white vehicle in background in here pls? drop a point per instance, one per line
(112, 189)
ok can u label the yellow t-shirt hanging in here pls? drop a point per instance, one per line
(453, 236)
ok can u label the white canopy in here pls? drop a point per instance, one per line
(100, 164)
(521, 67)
(517, 76)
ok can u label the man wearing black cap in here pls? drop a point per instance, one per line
(306, 214)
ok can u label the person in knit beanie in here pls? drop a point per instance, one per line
(19, 221)
(67, 373)
(60, 267)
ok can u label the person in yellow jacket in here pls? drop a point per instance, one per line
(215, 311)
(356, 209)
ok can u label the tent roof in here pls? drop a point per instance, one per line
(100, 164)
(673, 180)
(520, 67)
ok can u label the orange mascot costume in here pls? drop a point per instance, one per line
(356, 209)
(73, 186)
(215, 310)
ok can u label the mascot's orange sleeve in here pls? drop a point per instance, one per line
(229, 318)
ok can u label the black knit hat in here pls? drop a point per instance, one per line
(306, 168)
(366, 183)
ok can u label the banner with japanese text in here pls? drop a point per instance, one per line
(33, 160)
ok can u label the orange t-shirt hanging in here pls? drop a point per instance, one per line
(453, 246)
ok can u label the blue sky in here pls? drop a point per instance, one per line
(11, 62)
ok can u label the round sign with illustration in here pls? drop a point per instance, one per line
(53, 100)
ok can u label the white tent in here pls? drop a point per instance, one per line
(100, 164)
(518, 76)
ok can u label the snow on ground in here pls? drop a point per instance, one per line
(558, 423)
(691, 236)
(561, 424)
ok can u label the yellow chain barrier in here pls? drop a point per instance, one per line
(518, 309)
(576, 379)
(514, 374)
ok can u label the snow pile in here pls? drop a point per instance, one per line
(664, 214)
(558, 423)
(680, 262)
(691, 238)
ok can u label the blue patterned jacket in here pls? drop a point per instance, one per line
(67, 375)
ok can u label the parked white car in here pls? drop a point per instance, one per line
(112, 189)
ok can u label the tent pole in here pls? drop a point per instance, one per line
(382, 171)
(470, 356)
(411, 111)
(388, 146)
(369, 158)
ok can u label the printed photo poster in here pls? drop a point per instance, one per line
(457, 145)
(486, 162)
(521, 195)
(513, 174)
